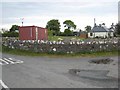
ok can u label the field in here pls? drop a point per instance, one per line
(56, 38)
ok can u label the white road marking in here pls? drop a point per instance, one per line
(3, 84)
(4, 61)
(1, 63)
(8, 60)
(11, 59)
(17, 61)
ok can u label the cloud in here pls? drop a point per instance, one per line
(60, 1)
(81, 12)
(56, 9)
(80, 21)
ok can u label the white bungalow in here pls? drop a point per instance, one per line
(101, 31)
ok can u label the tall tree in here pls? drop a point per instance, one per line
(53, 25)
(69, 24)
(88, 28)
(117, 29)
(14, 28)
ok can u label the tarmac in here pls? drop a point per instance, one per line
(54, 72)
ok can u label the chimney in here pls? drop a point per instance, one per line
(94, 22)
(103, 24)
(112, 24)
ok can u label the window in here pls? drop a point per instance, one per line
(91, 34)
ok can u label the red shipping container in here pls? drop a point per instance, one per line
(32, 33)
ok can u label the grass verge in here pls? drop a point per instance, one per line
(56, 38)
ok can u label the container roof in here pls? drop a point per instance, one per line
(30, 26)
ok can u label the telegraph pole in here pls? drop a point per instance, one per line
(22, 19)
(94, 22)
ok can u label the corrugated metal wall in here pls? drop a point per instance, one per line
(30, 32)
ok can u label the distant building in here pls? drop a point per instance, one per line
(32, 33)
(101, 31)
(83, 34)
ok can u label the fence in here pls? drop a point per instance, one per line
(62, 47)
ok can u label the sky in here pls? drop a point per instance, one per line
(39, 12)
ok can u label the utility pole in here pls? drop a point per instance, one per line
(22, 19)
(94, 26)
(94, 22)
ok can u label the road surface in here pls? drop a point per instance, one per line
(53, 72)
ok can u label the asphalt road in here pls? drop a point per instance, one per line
(46, 72)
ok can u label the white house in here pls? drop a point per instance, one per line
(101, 31)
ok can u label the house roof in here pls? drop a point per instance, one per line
(112, 29)
(100, 29)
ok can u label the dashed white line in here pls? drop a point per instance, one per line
(3, 84)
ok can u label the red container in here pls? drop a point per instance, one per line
(32, 33)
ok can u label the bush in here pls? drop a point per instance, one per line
(68, 32)
(10, 34)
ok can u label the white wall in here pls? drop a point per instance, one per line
(111, 34)
(98, 34)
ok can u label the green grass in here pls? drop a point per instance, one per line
(51, 54)
(55, 38)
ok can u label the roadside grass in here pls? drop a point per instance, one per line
(52, 54)
(56, 38)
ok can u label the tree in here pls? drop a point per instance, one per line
(10, 34)
(50, 34)
(69, 24)
(117, 29)
(14, 28)
(68, 32)
(53, 25)
(88, 28)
